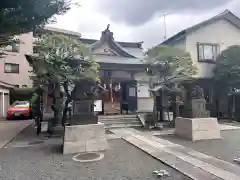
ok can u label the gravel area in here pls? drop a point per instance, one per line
(226, 148)
(44, 162)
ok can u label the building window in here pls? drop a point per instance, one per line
(207, 52)
(24, 86)
(11, 68)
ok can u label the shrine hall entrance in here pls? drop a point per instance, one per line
(111, 98)
(120, 97)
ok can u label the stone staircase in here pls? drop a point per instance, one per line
(120, 121)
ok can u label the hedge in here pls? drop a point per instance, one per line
(22, 94)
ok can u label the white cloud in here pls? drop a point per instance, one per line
(136, 12)
(90, 22)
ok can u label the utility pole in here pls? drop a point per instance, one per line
(165, 27)
(164, 24)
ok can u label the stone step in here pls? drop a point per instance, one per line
(119, 123)
(125, 120)
(112, 126)
(117, 116)
(122, 122)
(117, 120)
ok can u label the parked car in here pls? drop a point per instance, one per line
(19, 109)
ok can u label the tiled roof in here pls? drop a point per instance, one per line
(87, 40)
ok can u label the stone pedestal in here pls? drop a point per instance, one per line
(145, 104)
(197, 128)
(84, 138)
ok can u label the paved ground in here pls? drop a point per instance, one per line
(28, 138)
(227, 148)
(39, 157)
(191, 162)
(44, 162)
(229, 122)
(165, 131)
(9, 129)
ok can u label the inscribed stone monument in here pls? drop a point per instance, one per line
(84, 134)
(198, 104)
(200, 125)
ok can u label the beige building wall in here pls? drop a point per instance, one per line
(221, 32)
(21, 78)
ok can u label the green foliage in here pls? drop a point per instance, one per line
(169, 64)
(62, 58)
(22, 16)
(63, 61)
(33, 102)
(22, 94)
(227, 71)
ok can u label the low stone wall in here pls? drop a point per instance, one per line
(84, 138)
(197, 128)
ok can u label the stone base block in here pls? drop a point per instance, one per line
(84, 138)
(197, 128)
(145, 104)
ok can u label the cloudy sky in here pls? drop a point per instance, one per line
(140, 20)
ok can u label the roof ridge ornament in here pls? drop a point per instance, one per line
(107, 34)
(108, 26)
(107, 37)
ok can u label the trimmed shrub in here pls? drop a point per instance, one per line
(22, 94)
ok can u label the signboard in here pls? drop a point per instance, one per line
(98, 106)
(82, 107)
(132, 92)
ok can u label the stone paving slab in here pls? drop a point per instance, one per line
(171, 160)
(224, 127)
(227, 148)
(226, 175)
(204, 157)
(189, 170)
(10, 129)
(211, 160)
(200, 162)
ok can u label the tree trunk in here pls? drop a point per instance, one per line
(57, 107)
(65, 111)
(68, 100)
